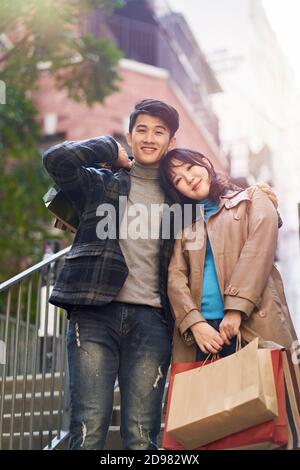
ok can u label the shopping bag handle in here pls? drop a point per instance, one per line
(238, 341)
(214, 357)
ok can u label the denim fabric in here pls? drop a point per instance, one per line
(225, 351)
(121, 340)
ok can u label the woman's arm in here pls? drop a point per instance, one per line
(252, 270)
(185, 310)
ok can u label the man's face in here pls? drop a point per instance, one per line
(149, 140)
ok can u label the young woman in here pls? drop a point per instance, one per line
(221, 276)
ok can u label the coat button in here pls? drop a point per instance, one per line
(233, 291)
(262, 313)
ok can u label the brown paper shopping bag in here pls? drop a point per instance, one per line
(223, 397)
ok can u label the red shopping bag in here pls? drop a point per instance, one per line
(291, 370)
(271, 434)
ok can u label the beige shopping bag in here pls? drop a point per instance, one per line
(223, 397)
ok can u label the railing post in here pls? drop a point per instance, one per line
(21, 358)
(2, 403)
(35, 359)
(15, 368)
(24, 385)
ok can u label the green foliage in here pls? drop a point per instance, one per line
(39, 34)
(95, 79)
(19, 129)
(23, 218)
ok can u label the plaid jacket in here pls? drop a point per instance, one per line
(94, 270)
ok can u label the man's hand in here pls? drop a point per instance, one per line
(230, 325)
(208, 339)
(123, 160)
(269, 192)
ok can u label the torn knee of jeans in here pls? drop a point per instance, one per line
(77, 334)
(84, 433)
(145, 436)
(158, 378)
(141, 430)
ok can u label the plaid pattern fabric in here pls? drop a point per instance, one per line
(94, 270)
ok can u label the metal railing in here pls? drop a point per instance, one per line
(34, 382)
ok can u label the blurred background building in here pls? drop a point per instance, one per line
(163, 60)
(258, 111)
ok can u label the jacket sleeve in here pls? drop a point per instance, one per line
(72, 165)
(253, 268)
(184, 308)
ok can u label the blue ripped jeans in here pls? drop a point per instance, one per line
(121, 340)
(225, 351)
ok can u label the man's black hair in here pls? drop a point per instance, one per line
(157, 108)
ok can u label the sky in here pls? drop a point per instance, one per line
(284, 18)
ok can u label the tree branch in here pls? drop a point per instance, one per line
(7, 54)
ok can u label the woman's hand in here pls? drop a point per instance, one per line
(230, 325)
(123, 160)
(208, 339)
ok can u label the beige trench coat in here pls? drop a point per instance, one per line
(243, 237)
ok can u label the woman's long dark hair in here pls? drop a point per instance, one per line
(219, 183)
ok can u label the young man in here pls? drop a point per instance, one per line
(114, 288)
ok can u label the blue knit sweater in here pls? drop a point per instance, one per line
(212, 306)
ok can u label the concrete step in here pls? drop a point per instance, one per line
(113, 440)
(48, 422)
(38, 442)
(51, 401)
(116, 416)
(115, 421)
(38, 383)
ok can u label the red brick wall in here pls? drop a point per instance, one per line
(80, 122)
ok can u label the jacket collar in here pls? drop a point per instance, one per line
(230, 199)
(231, 194)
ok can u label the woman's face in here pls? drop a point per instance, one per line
(190, 180)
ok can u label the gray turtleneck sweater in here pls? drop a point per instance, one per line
(139, 237)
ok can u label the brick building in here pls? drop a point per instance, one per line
(160, 55)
